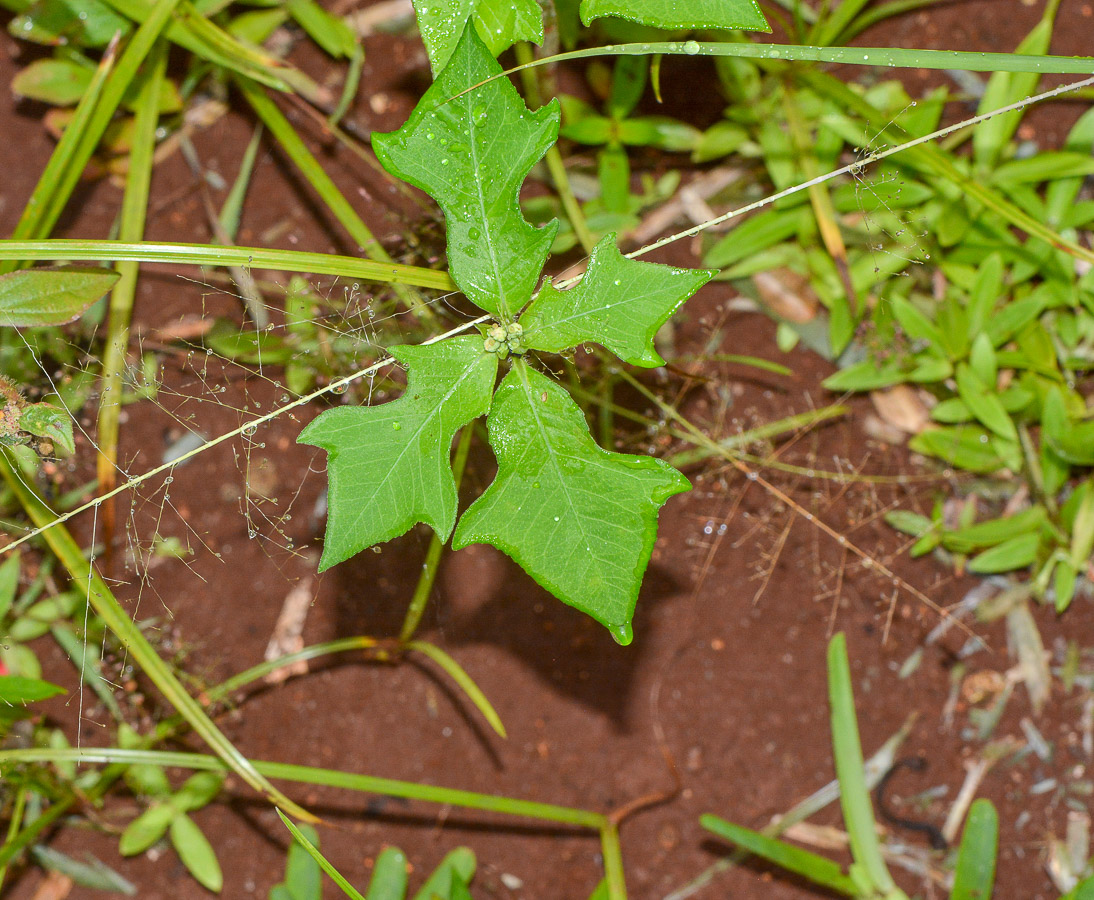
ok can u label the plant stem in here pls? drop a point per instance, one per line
(613, 862)
(134, 211)
(115, 618)
(508, 806)
(553, 157)
(13, 826)
(433, 555)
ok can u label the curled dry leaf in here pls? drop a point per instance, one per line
(902, 407)
(787, 294)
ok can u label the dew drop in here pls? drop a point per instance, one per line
(691, 48)
(249, 430)
(622, 634)
(396, 426)
(429, 135)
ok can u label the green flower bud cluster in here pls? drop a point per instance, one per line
(504, 339)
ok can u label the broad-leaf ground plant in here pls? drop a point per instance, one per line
(581, 520)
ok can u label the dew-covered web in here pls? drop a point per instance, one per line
(211, 477)
(893, 235)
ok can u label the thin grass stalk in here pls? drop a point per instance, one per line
(613, 862)
(880, 57)
(464, 681)
(131, 228)
(208, 255)
(436, 547)
(328, 191)
(225, 52)
(102, 600)
(368, 784)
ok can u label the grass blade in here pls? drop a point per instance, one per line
(456, 672)
(348, 889)
(858, 814)
(801, 862)
(206, 255)
(321, 183)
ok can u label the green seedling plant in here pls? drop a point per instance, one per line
(167, 815)
(580, 519)
(451, 879)
(548, 506)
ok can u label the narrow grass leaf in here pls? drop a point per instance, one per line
(463, 681)
(471, 152)
(580, 520)
(801, 862)
(303, 876)
(671, 14)
(93, 874)
(389, 465)
(620, 304)
(348, 889)
(974, 875)
(858, 814)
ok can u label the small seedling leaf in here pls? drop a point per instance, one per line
(86, 23)
(147, 828)
(9, 582)
(15, 690)
(801, 862)
(581, 521)
(197, 791)
(196, 853)
(51, 296)
(48, 422)
(471, 152)
(58, 82)
(303, 877)
(620, 304)
(389, 465)
(671, 14)
(974, 876)
(1017, 553)
(459, 864)
(984, 403)
(965, 446)
(389, 876)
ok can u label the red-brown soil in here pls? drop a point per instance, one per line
(727, 669)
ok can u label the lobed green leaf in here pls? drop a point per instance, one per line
(579, 519)
(500, 24)
(389, 466)
(470, 145)
(620, 304)
(673, 14)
